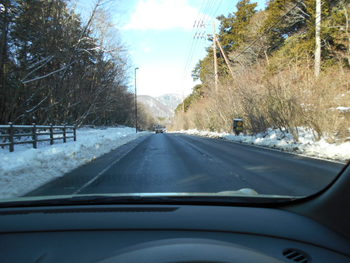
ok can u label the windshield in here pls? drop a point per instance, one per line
(161, 98)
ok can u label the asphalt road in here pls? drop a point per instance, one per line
(182, 163)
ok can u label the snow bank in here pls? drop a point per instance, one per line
(343, 109)
(307, 144)
(26, 168)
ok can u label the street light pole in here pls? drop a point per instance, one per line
(135, 102)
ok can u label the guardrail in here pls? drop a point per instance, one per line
(35, 131)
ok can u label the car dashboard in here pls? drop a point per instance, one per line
(165, 233)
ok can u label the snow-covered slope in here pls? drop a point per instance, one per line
(154, 106)
(170, 100)
(162, 106)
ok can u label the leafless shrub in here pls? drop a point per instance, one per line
(285, 100)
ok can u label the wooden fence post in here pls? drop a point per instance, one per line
(11, 133)
(51, 134)
(34, 136)
(75, 132)
(64, 134)
(35, 133)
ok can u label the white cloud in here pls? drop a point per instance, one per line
(163, 15)
(147, 49)
(156, 80)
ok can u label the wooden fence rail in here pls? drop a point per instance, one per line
(10, 132)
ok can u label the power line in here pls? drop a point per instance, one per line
(217, 8)
(206, 12)
(204, 18)
(193, 42)
(267, 31)
(200, 23)
(195, 25)
(195, 32)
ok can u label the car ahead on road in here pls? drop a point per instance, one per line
(160, 129)
(230, 226)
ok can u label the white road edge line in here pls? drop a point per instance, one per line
(272, 149)
(293, 153)
(103, 171)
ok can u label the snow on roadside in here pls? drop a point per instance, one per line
(343, 109)
(273, 138)
(26, 168)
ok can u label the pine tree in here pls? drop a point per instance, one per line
(233, 28)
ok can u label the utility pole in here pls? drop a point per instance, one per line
(135, 101)
(183, 101)
(225, 58)
(215, 59)
(318, 39)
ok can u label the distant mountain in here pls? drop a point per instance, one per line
(158, 109)
(170, 100)
(162, 106)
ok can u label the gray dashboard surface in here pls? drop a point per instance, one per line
(93, 233)
(96, 246)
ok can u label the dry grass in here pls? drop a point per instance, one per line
(286, 100)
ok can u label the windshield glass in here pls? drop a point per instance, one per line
(247, 98)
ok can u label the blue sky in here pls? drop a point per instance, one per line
(159, 36)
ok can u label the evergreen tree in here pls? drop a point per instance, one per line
(54, 69)
(234, 27)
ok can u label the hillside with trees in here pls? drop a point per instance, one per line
(266, 71)
(55, 68)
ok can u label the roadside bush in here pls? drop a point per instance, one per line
(285, 100)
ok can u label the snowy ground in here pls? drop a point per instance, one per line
(26, 168)
(278, 140)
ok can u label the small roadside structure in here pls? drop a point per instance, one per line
(237, 125)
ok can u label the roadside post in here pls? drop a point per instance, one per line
(237, 126)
